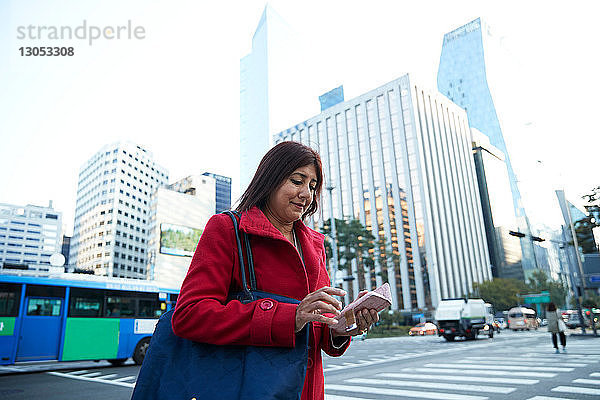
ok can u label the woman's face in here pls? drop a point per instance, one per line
(293, 197)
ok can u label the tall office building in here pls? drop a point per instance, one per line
(399, 159)
(275, 84)
(222, 192)
(29, 235)
(472, 73)
(110, 233)
(497, 207)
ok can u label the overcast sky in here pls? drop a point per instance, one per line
(176, 91)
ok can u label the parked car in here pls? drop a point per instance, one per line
(424, 328)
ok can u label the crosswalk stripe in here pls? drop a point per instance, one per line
(92, 374)
(85, 378)
(595, 374)
(433, 385)
(402, 392)
(496, 373)
(547, 398)
(334, 397)
(588, 381)
(564, 355)
(502, 367)
(515, 381)
(534, 363)
(82, 371)
(106, 376)
(576, 389)
(125, 378)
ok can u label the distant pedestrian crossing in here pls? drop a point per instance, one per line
(479, 378)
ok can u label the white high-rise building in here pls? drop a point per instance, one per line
(399, 160)
(110, 235)
(29, 234)
(276, 84)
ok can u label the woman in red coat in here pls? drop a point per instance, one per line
(289, 260)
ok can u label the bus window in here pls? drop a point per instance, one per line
(10, 296)
(86, 302)
(44, 307)
(149, 308)
(117, 306)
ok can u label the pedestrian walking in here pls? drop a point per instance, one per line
(289, 260)
(556, 326)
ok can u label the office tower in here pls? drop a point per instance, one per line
(399, 161)
(110, 233)
(497, 207)
(65, 248)
(178, 214)
(222, 192)
(29, 235)
(276, 83)
(472, 73)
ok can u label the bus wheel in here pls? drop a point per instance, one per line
(117, 361)
(140, 351)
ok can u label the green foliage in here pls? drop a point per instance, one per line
(177, 239)
(584, 226)
(390, 324)
(353, 242)
(591, 301)
(503, 293)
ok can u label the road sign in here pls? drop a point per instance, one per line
(538, 298)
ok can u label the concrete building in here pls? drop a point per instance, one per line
(178, 216)
(222, 192)
(110, 234)
(29, 235)
(400, 159)
(472, 73)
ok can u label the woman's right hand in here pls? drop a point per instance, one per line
(315, 304)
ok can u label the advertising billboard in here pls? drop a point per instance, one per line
(177, 240)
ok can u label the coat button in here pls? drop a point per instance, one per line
(310, 363)
(266, 305)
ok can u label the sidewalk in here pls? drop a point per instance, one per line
(44, 366)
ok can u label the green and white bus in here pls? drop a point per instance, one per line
(70, 317)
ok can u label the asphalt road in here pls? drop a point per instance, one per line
(511, 366)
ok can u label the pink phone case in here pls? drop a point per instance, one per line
(377, 299)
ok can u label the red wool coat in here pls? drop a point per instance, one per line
(203, 315)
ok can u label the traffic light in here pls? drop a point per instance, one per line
(517, 234)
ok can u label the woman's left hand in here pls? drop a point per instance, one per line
(364, 319)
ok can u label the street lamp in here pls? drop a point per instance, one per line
(333, 235)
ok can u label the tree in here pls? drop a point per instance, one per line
(501, 293)
(583, 227)
(354, 241)
(539, 282)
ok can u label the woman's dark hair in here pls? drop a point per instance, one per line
(276, 166)
(551, 307)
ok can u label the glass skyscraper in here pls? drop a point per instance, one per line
(222, 192)
(468, 55)
(400, 160)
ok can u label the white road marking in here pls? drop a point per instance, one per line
(501, 367)
(547, 398)
(433, 385)
(83, 378)
(334, 397)
(515, 381)
(588, 381)
(576, 390)
(595, 374)
(92, 374)
(82, 371)
(405, 393)
(497, 361)
(495, 373)
(125, 378)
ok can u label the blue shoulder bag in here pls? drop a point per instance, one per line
(179, 369)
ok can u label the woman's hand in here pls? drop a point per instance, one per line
(315, 304)
(364, 319)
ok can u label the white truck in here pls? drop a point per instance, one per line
(464, 318)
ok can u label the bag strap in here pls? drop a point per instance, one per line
(247, 295)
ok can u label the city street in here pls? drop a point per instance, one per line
(519, 365)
